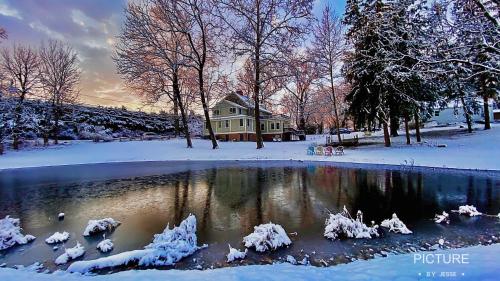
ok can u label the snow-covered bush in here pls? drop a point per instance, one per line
(57, 237)
(95, 226)
(235, 254)
(468, 210)
(167, 248)
(395, 225)
(267, 236)
(70, 254)
(105, 245)
(10, 233)
(343, 225)
(443, 218)
(291, 259)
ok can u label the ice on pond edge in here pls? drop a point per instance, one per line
(343, 225)
(395, 225)
(468, 210)
(443, 218)
(167, 248)
(10, 233)
(267, 236)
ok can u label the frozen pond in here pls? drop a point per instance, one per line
(230, 198)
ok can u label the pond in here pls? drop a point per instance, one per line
(230, 198)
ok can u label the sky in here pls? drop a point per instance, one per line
(90, 27)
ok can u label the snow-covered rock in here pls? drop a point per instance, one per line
(60, 216)
(291, 259)
(167, 248)
(343, 225)
(105, 245)
(267, 236)
(498, 215)
(70, 254)
(395, 225)
(235, 254)
(10, 233)
(57, 237)
(468, 210)
(95, 226)
(443, 218)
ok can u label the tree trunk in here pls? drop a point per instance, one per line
(17, 120)
(1, 146)
(205, 110)
(407, 129)
(417, 126)
(177, 94)
(335, 111)
(256, 92)
(387, 137)
(467, 114)
(394, 126)
(55, 132)
(302, 120)
(487, 121)
(176, 118)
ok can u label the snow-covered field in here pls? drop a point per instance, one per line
(478, 150)
(482, 264)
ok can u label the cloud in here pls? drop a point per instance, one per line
(8, 11)
(44, 29)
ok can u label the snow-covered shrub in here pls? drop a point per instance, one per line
(343, 225)
(70, 254)
(395, 225)
(291, 259)
(267, 236)
(167, 248)
(10, 233)
(235, 254)
(57, 237)
(468, 210)
(105, 245)
(95, 226)
(443, 218)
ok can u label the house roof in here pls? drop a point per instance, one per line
(245, 101)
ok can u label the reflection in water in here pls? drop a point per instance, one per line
(229, 202)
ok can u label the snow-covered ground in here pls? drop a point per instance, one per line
(478, 150)
(482, 264)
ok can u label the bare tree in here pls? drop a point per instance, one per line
(21, 65)
(194, 19)
(302, 74)
(3, 33)
(329, 47)
(60, 74)
(3, 111)
(149, 47)
(263, 30)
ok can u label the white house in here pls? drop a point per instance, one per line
(454, 113)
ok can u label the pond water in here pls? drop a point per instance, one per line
(230, 198)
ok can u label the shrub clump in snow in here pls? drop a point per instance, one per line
(291, 259)
(70, 254)
(10, 233)
(343, 225)
(167, 248)
(267, 236)
(469, 210)
(443, 218)
(235, 254)
(57, 237)
(396, 225)
(105, 245)
(95, 226)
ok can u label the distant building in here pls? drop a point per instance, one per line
(453, 113)
(233, 120)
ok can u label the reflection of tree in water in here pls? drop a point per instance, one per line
(180, 207)
(211, 175)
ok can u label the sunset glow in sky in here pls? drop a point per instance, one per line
(91, 27)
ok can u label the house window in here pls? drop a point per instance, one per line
(216, 112)
(262, 127)
(227, 123)
(241, 122)
(278, 126)
(436, 113)
(239, 111)
(219, 124)
(232, 110)
(272, 126)
(248, 122)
